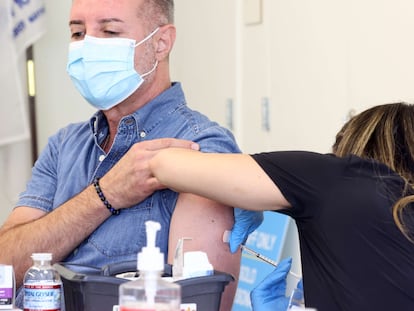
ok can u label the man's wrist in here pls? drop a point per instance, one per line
(101, 195)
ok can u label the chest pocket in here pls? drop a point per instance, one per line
(124, 235)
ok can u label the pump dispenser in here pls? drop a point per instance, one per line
(150, 292)
(150, 258)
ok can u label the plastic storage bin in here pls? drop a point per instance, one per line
(99, 291)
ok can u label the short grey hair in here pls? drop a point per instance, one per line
(157, 12)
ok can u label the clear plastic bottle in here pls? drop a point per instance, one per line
(150, 292)
(42, 285)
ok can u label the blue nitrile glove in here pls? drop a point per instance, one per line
(270, 294)
(300, 284)
(245, 222)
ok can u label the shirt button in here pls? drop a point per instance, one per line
(142, 134)
(101, 158)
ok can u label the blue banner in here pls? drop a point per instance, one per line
(268, 240)
(28, 22)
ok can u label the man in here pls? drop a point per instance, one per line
(84, 205)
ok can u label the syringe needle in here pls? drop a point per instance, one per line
(266, 259)
(258, 255)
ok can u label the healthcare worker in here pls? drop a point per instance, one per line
(353, 208)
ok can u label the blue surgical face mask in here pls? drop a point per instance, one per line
(103, 71)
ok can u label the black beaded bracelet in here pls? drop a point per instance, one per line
(103, 199)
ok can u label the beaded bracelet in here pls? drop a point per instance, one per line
(103, 199)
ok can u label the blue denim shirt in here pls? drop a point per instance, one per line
(73, 158)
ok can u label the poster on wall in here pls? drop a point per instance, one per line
(268, 240)
(22, 22)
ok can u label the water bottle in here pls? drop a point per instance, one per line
(150, 292)
(42, 285)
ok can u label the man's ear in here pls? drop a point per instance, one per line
(165, 41)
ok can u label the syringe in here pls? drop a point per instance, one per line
(226, 238)
(258, 255)
(266, 259)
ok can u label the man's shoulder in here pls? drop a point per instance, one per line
(71, 131)
(211, 136)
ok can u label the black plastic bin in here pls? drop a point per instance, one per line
(99, 291)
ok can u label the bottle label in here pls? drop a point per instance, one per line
(44, 297)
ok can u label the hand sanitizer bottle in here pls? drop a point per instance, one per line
(150, 292)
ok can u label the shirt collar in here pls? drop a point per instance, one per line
(164, 103)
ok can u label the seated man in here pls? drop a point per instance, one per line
(82, 204)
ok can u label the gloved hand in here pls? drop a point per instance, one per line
(270, 294)
(245, 223)
(300, 284)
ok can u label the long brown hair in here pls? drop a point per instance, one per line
(385, 133)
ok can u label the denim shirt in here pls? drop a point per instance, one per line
(73, 158)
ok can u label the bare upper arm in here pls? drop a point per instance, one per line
(205, 221)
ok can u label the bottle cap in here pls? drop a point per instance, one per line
(42, 256)
(150, 258)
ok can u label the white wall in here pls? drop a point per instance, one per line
(15, 164)
(314, 61)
